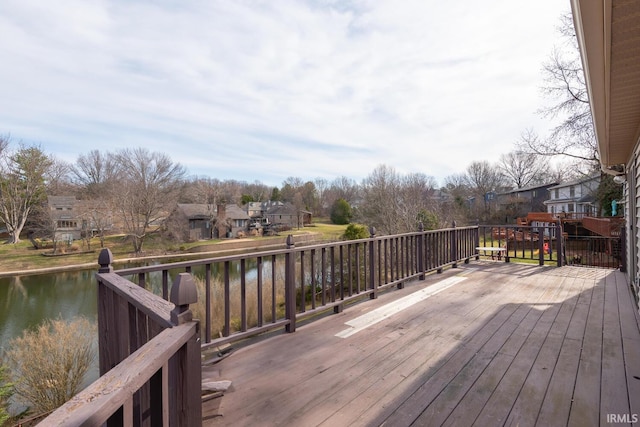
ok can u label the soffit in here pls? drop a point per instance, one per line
(609, 37)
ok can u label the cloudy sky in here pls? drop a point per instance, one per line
(264, 90)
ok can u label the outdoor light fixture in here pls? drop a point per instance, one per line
(620, 179)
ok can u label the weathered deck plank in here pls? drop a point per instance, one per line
(511, 344)
(585, 408)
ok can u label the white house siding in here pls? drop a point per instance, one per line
(561, 199)
(632, 212)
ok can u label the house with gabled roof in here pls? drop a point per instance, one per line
(575, 198)
(199, 221)
(72, 219)
(520, 201)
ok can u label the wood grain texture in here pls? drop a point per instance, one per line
(512, 344)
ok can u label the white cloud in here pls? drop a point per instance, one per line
(265, 90)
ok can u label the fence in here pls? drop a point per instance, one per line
(248, 294)
(150, 349)
(549, 244)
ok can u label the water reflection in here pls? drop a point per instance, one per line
(25, 301)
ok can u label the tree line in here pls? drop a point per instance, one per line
(140, 186)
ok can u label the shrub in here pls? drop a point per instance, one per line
(47, 365)
(6, 390)
(341, 212)
(354, 232)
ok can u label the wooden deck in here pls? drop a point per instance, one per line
(506, 344)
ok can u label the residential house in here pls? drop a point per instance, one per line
(231, 221)
(576, 198)
(192, 221)
(608, 34)
(197, 221)
(72, 219)
(520, 201)
(287, 215)
(277, 213)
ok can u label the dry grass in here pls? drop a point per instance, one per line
(6, 391)
(47, 365)
(251, 298)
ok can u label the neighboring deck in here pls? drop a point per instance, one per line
(505, 344)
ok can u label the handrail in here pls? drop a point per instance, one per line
(158, 309)
(150, 359)
(149, 345)
(94, 405)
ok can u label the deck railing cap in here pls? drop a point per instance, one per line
(105, 259)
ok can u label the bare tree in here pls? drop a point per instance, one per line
(379, 204)
(524, 169)
(574, 135)
(258, 191)
(415, 200)
(95, 172)
(322, 185)
(483, 179)
(394, 203)
(22, 185)
(148, 187)
(96, 175)
(58, 178)
(343, 188)
(457, 199)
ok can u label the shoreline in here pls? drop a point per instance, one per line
(237, 246)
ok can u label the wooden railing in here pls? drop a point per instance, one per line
(149, 352)
(542, 243)
(248, 294)
(550, 244)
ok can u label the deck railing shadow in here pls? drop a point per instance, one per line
(437, 395)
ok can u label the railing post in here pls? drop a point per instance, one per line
(623, 248)
(106, 352)
(541, 246)
(477, 241)
(185, 386)
(559, 244)
(373, 286)
(454, 245)
(420, 254)
(290, 285)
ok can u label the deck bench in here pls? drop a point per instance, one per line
(496, 251)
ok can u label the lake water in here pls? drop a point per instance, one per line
(25, 301)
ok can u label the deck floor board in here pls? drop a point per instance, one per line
(511, 344)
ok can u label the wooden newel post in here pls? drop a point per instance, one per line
(373, 286)
(186, 371)
(183, 293)
(108, 353)
(290, 285)
(105, 259)
(420, 254)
